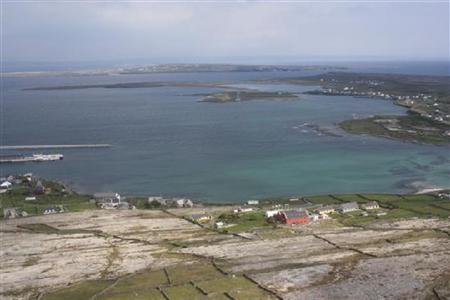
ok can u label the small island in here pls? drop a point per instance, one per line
(237, 96)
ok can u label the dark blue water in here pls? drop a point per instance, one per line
(166, 142)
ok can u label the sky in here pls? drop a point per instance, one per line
(204, 31)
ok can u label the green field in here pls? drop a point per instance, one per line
(382, 197)
(244, 221)
(191, 281)
(55, 194)
(350, 198)
(323, 199)
(398, 207)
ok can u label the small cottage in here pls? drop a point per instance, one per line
(371, 205)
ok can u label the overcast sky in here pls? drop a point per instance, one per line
(108, 31)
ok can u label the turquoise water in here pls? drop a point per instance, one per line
(166, 142)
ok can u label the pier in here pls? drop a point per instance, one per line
(25, 147)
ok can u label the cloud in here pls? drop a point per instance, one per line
(91, 31)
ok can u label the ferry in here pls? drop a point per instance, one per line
(47, 157)
(32, 158)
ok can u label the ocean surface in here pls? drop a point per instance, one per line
(165, 142)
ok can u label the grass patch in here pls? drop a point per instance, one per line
(226, 284)
(350, 198)
(253, 293)
(152, 294)
(147, 280)
(382, 197)
(323, 199)
(245, 221)
(195, 272)
(82, 291)
(184, 292)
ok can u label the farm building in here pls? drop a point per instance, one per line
(200, 218)
(348, 207)
(293, 217)
(370, 205)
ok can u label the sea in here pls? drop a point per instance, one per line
(165, 142)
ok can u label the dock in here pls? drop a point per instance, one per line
(26, 147)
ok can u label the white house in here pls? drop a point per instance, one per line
(243, 210)
(5, 185)
(271, 213)
(252, 202)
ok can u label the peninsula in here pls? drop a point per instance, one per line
(426, 97)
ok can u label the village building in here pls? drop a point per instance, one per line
(184, 202)
(5, 185)
(271, 213)
(157, 199)
(293, 217)
(107, 200)
(371, 205)
(30, 198)
(252, 202)
(124, 205)
(53, 210)
(219, 225)
(348, 207)
(324, 217)
(39, 188)
(243, 210)
(200, 218)
(314, 217)
(329, 209)
(107, 196)
(10, 213)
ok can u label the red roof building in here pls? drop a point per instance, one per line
(293, 217)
